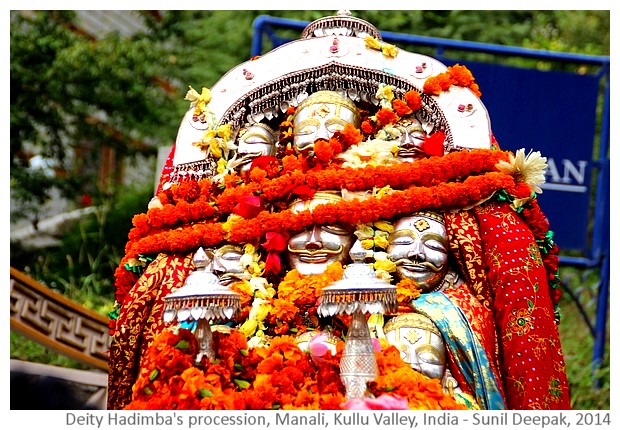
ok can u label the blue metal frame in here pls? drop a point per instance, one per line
(598, 255)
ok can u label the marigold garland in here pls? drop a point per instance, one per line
(442, 196)
(279, 376)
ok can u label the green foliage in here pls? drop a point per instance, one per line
(26, 350)
(82, 268)
(577, 344)
(70, 96)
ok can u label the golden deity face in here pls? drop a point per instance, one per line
(411, 140)
(254, 141)
(225, 262)
(420, 343)
(312, 250)
(320, 116)
(418, 246)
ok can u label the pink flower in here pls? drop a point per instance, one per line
(273, 263)
(383, 402)
(318, 345)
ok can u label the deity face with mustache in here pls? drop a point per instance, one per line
(225, 262)
(320, 116)
(254, 141)
(418, 247)
(312, 250)
(411, 140)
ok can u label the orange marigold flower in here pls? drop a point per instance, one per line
(386, 116)
(350, 135)
(401, 108)
(290, 163)
(367, 127)
(434, 85)
(323, 150)
(284, 310)
(461, 75)
(406, 291)
(270, 364)
(413, 100)
(258, 175)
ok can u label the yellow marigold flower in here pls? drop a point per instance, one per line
(262, 311)
(255, 269)
(214, 148)
(372, 43)
(384, 226)
(192, 96)
(198, 101)
(385, 94)
(364, 231)
(383, 343)
(368, 243)
(389, 51)
(249, 327)
(224, 132)
(381, 241)
(383, 275)
(386, 265)
(376, 319)
(221, 165)
(231, 221)
(384, 191)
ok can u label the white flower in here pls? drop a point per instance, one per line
(374, 152)
(385, 95)
(155, 203)
(529, 169)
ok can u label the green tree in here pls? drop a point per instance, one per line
(71, 95)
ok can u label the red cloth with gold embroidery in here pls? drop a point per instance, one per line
(139, 321)
(166, 170)
(532, 361)
(483, 325)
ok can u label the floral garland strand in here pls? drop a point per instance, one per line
(240, 230)
(187, 208)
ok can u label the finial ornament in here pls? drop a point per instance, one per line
(357, 293)
(341, 24)
(202, 299)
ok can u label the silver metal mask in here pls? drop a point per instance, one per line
(411, 142)
(420, 343)
(321, 115)
(254, 141)
(418, 246)
(225, 262)
(312, 250)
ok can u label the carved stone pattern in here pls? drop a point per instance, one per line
(62, 324)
